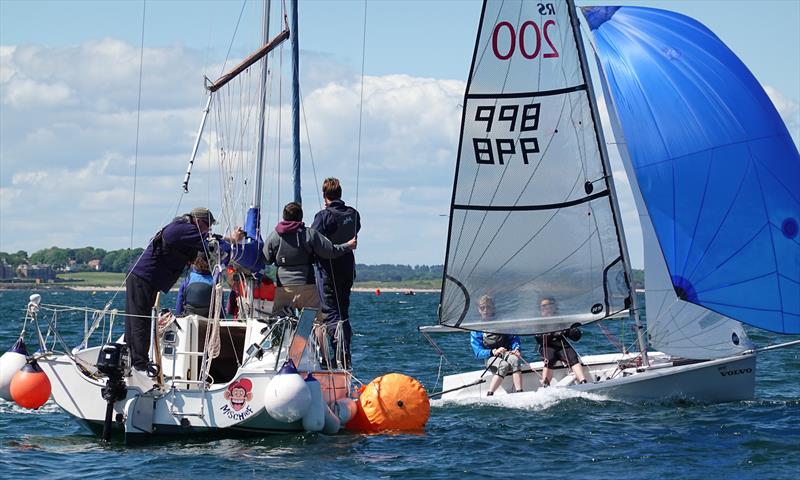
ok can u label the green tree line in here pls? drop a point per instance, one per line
(121, 260)
(60, 258)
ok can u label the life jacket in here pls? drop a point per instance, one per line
(346, 222)
(197, 294)
(495, 340)
(186, 255)
(300, 256)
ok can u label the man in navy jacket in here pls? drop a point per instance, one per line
(339, 223)
(170, 251)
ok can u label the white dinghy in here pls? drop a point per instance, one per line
(534, 212)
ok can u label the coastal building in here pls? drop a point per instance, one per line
(39, 273)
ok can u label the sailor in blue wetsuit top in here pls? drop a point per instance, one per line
(170, 251)
(338, 223)
(500, 352)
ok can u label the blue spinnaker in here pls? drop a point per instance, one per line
(716, 166)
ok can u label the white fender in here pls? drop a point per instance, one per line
(345, 409)
(10, 363)
(287, 398)
(332, 424)
(314, 419)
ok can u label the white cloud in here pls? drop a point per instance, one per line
(67, 153)
(67, 159)
(788, 109)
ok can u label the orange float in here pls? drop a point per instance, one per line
(30, 387)
(391, 402)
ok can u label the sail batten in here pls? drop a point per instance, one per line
(531, 217)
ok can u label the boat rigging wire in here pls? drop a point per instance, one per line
(361, 101)
(138, 118)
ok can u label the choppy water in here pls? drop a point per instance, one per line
(543, 434)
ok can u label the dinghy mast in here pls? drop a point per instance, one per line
(601, 141)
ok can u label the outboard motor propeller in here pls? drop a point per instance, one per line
(111, 362)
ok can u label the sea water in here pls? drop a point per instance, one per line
(547, 434)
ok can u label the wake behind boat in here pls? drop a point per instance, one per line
(535, 214)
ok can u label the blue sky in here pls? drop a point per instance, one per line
(68, 95)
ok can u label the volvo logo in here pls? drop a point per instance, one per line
(729, 373)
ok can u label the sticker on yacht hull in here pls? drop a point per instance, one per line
(238, 394)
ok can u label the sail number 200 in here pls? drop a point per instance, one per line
(530, 40)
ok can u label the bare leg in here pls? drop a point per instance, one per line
(578, 369)
(517, 379)
(496, 381)
(547, 375)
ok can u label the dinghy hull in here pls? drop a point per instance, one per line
(667, 379)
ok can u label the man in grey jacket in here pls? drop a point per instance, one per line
(293, 247)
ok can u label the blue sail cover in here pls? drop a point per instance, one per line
(249, 254)
(716, 166)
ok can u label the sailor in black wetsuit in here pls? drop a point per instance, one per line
(555, 346)
(339, 223)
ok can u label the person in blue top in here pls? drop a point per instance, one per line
(170, 251)
(500, 352)
(194, 294)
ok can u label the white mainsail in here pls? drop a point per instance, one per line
(532, 214)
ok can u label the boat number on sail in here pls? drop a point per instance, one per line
(507, 118)
(238, 394)
(527, 39)
(738, 371)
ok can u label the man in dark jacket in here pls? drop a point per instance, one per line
(170, 251)
(335, 277)
(293, 248)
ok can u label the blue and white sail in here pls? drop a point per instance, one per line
(532, 214)
(715, 168)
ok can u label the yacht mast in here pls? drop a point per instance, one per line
(261, 113)
(296, 103)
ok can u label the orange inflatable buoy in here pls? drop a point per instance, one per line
(391, 402)
(30, 387)
(378, 292)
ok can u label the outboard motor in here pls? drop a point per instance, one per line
(111, 361)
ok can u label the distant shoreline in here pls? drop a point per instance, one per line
(90, 288)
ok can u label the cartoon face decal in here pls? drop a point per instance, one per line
(238, 393)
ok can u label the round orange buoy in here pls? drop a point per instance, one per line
(378, 292)
(30, 387)
(391, 402)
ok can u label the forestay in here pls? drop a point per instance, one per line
(714, 163)
(532, 214)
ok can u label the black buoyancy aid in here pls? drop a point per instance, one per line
(346, 224)
(495, 340)
(184, 254)
(197, 298)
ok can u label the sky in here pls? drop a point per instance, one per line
(69, 102)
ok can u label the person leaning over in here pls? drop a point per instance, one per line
(293, 247)
(555, 346)
(169, 252)
(500, 352)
